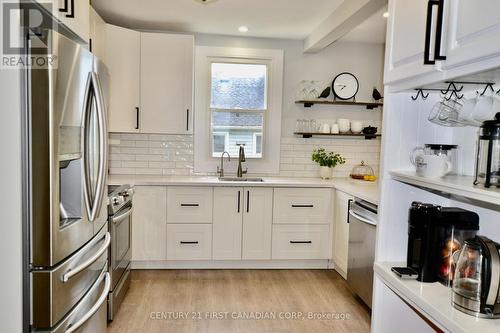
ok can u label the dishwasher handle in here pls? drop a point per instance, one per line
(361, 218)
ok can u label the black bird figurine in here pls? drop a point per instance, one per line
(376, 94)
(325, 93)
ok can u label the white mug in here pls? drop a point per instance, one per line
(335, 129)
(344, 125)
(356, 126)
(325, 128)
(484, 108)
(433, 166)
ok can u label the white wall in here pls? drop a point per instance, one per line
(131, 155)
(362, 59)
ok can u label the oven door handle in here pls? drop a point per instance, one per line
(361, 218)
(95, 307)
(118, 218)
(73, 271)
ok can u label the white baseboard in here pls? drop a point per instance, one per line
(234, 264)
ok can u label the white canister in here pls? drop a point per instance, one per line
(325, 128)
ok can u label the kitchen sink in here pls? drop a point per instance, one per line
(243, 179)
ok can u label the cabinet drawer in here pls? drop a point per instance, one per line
(189, 242)
(301, 242)
(189, 205)
(302, 206)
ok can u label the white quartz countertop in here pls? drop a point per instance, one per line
(363, 190)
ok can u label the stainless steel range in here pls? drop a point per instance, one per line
(120, 227)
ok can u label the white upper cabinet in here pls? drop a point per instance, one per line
(123, 60)
(167, 83)
(75, 15)
(97, 39)
(473, 31)
(406, 40)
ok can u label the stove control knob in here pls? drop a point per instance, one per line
(118, 201)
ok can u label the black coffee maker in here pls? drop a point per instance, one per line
(435, 236)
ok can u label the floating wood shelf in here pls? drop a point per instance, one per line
(309, 103)
(307, 135)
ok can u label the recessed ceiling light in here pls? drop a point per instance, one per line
(385, 15)
(243, 29)
(205, 1)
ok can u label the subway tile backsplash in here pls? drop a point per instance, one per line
(154, 154)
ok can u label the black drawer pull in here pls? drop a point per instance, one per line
(189, 205)
(300, 242)
(302, 206)
(187, 243)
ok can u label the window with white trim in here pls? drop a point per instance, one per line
(238, 105)
(238, 102)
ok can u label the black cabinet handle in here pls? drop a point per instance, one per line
(302, 206)
(136, 117)
(72, 10)
(239, 199)
(439, 31)
(65, 7)
(90, 44)
(187, 243)
(300, 242)
(248, 201)
(190, 205)
(187, 120)
(428, 26)
(348, 208)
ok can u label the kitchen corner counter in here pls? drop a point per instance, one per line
(365, 191)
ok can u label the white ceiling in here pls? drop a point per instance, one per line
(372, 30)
(293, 19)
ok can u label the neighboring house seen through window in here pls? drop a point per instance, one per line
(238, 105)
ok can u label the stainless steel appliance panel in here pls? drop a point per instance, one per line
(361, 255)
(89, 316)
(56, 291)
(121, 245)
(117, 295)
(64, 113)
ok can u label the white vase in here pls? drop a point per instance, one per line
(325, 172)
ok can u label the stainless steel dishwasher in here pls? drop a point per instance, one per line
(362, 221)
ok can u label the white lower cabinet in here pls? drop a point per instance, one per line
(301, 241)
(257, 223)
(341, 232)
(149, 223)
(302, 205)
(189, 242)
(189, 204)
(242, 223)
(228, 223)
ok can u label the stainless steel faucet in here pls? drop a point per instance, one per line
(241, 158)
(220, 170)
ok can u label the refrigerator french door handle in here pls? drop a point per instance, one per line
(72, 272)
(96, 306)
(87, 108)
(103, 146)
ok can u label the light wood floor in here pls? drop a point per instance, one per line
(255, 292)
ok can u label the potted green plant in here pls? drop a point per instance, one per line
(327, 161)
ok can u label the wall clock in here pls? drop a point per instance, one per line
(345, 86)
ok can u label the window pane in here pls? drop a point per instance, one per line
(239, 86)
(240, 128)
(258, 144)
(219, 143)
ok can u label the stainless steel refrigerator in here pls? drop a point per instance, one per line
(67, 181)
